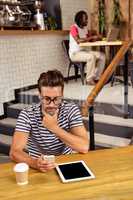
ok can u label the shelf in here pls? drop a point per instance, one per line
(22, 3)
(33, 32)
(17, 28)
(10, 3)
(26, 3)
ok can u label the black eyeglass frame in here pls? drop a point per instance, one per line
(47, 100)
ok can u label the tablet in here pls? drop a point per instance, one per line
(74, 171)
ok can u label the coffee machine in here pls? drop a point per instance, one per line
(13, 13)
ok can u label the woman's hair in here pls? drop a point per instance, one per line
(51, 78)
(79, 17)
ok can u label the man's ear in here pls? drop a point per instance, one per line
(39, 95)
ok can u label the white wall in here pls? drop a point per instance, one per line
(23, 58)
(70, 7)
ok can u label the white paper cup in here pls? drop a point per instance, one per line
(21, 172)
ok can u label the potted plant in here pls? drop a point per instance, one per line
(118, 21)
(117, 16)
(101, 17)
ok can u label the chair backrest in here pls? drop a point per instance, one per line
(65, 44)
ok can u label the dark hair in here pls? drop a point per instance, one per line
(51, 78)
(79, 17)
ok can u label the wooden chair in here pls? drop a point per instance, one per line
(78, 66)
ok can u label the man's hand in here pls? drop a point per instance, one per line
(44, 165)
(94, 38)
(50, 121)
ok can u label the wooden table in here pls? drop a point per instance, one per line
(113, 169)
(101, 43)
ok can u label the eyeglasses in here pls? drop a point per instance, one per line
(56, 100)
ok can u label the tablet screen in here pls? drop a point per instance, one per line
(74, 171)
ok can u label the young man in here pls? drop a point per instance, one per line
(52, 127)
(95, 61)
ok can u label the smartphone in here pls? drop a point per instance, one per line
(49, 158)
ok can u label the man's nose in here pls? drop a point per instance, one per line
(52, 103)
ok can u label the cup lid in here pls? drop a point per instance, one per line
(21, 167)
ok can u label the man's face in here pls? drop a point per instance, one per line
(84, 20)
(51, 98)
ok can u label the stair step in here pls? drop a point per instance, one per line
(5, 143)
(97, 117)
(111, 109)
(113, 120)
(105, 124)
(101, 140)
(110, 141)
(28, 97)
(4, 158)
(103, 103)
(7, 126)
(6, 139)
(18, 106)
(83, 91)
(9, 121)
(111, 125)
(13, 110)
(119, 121)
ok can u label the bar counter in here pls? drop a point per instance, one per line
(33, 32)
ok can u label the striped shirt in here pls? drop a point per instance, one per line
(40, 139)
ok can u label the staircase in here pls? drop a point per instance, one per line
(111, 129)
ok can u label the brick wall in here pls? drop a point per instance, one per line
(70, 7)
(23, 58)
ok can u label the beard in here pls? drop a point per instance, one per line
(49, 110)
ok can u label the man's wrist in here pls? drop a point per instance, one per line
(33, 163)
(56, 129)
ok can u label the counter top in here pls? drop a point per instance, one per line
(33, 32)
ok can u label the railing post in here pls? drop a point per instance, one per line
(91, 127)
(126, 111)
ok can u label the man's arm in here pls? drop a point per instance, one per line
(17, 153)
(17, 149)
(87, 39)
(75, 34)
(77, 138)
(90, 37)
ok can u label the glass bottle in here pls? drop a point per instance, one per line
(46, 22)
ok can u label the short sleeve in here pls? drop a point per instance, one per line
(75, 118)
(23, 122)
(74, 31)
